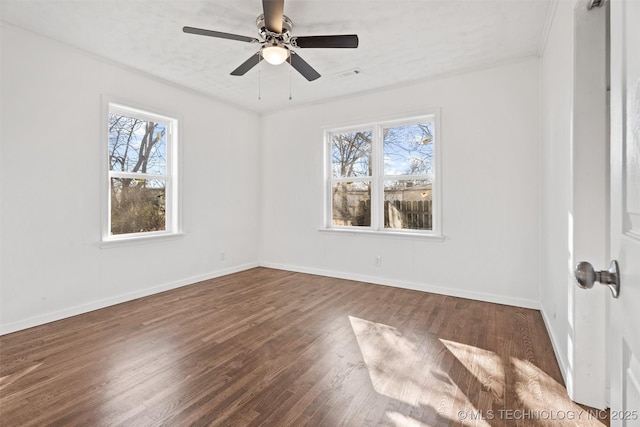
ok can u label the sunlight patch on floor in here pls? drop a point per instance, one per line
(540, 394)
(484, 365)
(400, 420)
(536, 389)
(398, 367)
(395, 363)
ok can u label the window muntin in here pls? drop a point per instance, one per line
(382, 177)
(141, 173)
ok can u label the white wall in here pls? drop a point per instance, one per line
(574, 195)
(51, 264)
(489, 140)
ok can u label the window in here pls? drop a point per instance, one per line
(383, 177)
(142, 179)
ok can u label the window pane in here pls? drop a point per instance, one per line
(352, 204)
(137, 145)
(407, 204)
(137, 205)
(408, 150)
(351, 154)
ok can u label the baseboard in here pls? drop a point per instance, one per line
(461, 293)
(96, 305)
(562, 363)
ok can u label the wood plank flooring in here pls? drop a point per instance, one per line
(276, 348)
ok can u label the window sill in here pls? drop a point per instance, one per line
(395, 234)
(139, 240)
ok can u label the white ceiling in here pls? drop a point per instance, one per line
(400, 40)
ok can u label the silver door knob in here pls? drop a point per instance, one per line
(586, 276)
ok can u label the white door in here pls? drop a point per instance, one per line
(624, 312)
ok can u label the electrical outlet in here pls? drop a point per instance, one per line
(223, 256)
(378, 261)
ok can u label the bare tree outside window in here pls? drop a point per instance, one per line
(408, 150)
(351, 158)
(402, 178)
(138, 169)
(351, 154)
(408, 176)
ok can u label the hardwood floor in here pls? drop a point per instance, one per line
(270, 347)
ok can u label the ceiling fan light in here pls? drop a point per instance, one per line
(275, 55)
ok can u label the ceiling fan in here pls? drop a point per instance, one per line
(277, 43)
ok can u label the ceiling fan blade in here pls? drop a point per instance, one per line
(218, 34)
(247, 65)
(337, 41)
(303, 68)
(273, 12)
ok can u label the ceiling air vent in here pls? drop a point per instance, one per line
(349, 73)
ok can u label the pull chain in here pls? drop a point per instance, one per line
(290, 97)
(259, 77)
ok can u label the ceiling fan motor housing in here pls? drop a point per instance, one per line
(269, 36)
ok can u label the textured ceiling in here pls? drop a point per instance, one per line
(400, 40)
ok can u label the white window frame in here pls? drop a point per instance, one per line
(171, 178)
(377, 179)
